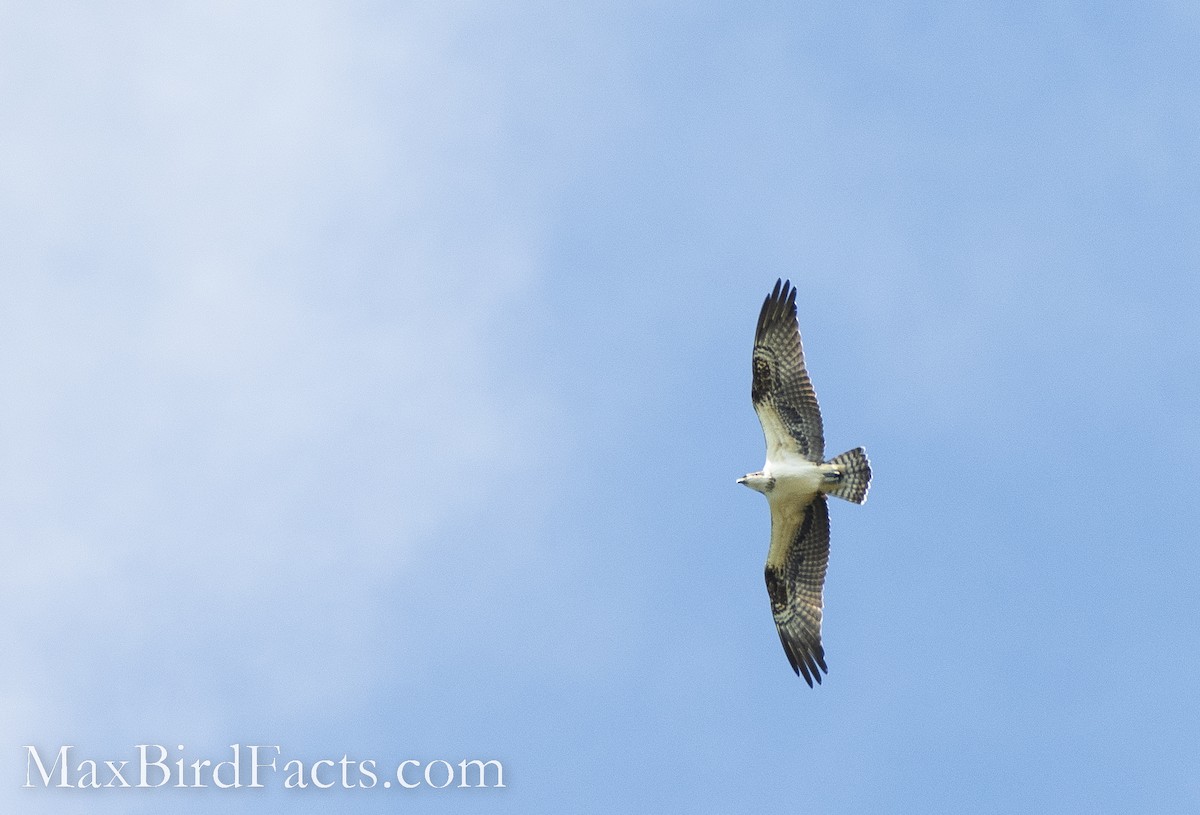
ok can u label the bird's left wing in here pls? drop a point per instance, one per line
(796, 565)
(782, 393)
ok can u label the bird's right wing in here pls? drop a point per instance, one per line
(796, 565)
(782, 393)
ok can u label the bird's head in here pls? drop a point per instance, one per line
(758, 481)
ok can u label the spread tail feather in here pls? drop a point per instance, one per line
(855, 473)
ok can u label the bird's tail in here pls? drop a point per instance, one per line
(855, 473)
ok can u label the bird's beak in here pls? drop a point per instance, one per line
(742, 480)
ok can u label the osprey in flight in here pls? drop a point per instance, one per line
(795, 480)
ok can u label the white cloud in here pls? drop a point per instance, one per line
(249, 348)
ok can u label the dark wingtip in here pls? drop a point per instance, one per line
(803, 669)
(778, 305)
(808, 664)
(815, 672)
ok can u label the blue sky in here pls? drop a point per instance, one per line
(377, 378)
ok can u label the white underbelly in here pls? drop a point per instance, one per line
(795, 480)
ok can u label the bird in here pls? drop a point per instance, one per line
(796, 480)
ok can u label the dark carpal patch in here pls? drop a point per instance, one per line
(776, 590)
(763, 379)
